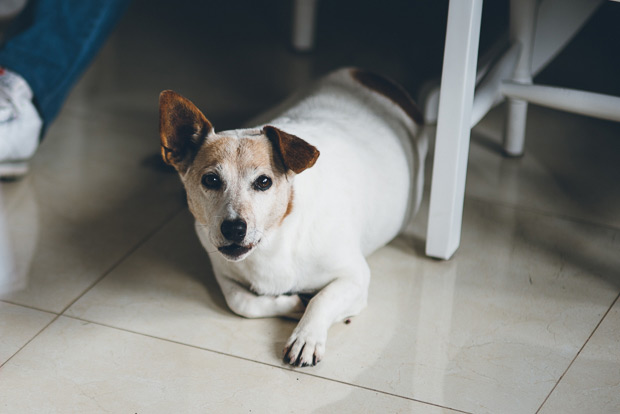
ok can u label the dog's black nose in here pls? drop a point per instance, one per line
(234, 230)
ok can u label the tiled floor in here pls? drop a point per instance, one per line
(118, 311)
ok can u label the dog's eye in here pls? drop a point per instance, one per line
(211, 181)
(262, 183)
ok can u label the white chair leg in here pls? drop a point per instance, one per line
(304, 19)
(453, 128)
(489, 90)
(522, 28)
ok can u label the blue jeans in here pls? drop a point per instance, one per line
(59, 40)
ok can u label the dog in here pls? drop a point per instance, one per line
(293, 206)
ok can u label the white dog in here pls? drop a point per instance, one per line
(272, 229)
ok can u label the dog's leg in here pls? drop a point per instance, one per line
(250, 305)
(344, 296)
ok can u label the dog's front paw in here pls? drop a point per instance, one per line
(305, 348)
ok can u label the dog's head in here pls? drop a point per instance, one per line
(239, 183)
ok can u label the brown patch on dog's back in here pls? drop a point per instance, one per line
(390, 90)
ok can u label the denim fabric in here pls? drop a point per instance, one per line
(59, 41)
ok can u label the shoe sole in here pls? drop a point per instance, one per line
(13, 170)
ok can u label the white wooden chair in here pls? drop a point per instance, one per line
(539, 29)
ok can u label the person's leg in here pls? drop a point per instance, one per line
(57, 47)
(40, 64)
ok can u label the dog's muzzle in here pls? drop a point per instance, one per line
(234, 231)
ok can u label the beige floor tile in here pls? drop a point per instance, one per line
(18, 325)
(490, 331)
(592, 384)
(89, 201)
(78, 367)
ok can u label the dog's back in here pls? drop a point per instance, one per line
(367, 129)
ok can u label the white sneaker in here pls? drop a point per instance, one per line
(20, 125)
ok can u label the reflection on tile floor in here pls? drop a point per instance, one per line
(87, 368)
(116, 308)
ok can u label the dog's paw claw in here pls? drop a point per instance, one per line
(286, 354)
(315, 359)
(303, 352)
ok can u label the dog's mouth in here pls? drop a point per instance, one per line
(235, 251)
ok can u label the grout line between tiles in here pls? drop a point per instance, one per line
(30, 340)
(56, 315)
(578, 353)
(263, 363)
(129, 252)
(105, 273)
(28, 306)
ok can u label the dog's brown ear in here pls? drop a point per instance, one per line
(296, 154)
(182, 129)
